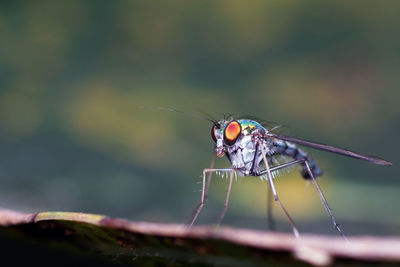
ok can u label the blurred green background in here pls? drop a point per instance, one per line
(73, 73)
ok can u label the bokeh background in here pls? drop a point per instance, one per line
(73, 74)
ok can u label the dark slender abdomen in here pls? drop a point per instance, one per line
(291, 150)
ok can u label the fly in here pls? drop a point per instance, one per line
(254, 151)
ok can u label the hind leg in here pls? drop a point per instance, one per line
(321, 195)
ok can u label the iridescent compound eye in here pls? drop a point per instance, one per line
(232, 132)
(213, 129)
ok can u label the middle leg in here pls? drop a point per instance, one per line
(228, 194)
(276, 198)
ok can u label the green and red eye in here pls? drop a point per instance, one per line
(232, 132)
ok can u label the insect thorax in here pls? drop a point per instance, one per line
(242, 155)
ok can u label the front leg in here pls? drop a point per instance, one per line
(200, 206)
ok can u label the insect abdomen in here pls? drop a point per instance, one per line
(291, 150)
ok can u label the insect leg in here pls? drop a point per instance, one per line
(205, 190)
(198, 208)
(228, 194)
(271, 221)
(209, 176)
(283, 165)
(270, 217)
(271, 183)
(321, 195)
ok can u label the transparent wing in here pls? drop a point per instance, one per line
(329, 148)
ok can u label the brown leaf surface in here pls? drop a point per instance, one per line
(130, 242)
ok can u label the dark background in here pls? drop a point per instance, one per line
(73, 74)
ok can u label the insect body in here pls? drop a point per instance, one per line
(240, 146)
(255, 151)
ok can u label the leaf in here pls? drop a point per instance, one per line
(82, 235)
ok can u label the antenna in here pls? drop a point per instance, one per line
(205, 116)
